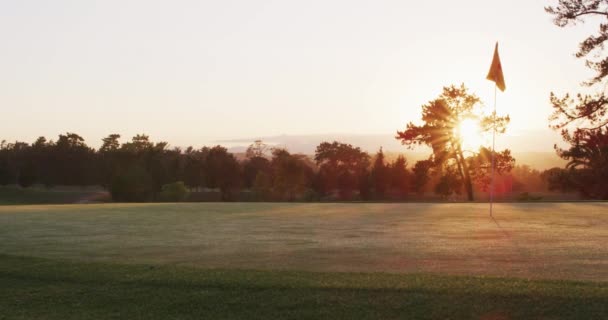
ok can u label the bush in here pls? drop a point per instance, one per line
(174, 192)
(526, 196)
(133, 185)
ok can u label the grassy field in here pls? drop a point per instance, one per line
(58, 195)
(434, 261)
(35, 288)
(540, 240)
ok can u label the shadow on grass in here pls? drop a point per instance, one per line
(52, 289)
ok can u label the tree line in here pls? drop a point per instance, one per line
(142, 170)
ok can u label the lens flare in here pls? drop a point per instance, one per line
(470, 134)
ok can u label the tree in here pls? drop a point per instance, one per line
(442, 118)
(134, 185)
(108, 156)
(7, 168)
(587, 114)
(256, 163)
(257, 149)
(588, 162)
(194, 171)
(252, 168)
(110, 143)
(291, 175)
(139, 143)
(560, 179)
(174, 192)
(449, 183)
(525, 178)
(380, 175)
(223, 172)
(482, 161)
(421, 175)
(400, 177)
(588, 111)
(341, 167)
(72, 161)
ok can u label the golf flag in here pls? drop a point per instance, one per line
(495, 73)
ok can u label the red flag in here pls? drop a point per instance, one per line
(495, 73)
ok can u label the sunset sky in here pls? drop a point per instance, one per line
(191, 72)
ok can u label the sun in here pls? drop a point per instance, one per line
(470, 134)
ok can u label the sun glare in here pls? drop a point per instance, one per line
(470, 135)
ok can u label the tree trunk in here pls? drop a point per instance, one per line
(465, 175)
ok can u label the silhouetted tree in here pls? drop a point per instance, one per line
(257, 149)
(587, 114)
(256, 163)
(587, 163)
(441, 118)
(7, 168)
(589, 111)
(110, 143)
(133, 185)
(341, 167)
(400, 177)
(291, 175)
(194, 171)
(109, 159)
(527, 179)
(421, 175)
(72, 161)
(380, 175)
(223, 172)
(449, 183)
(482, 162)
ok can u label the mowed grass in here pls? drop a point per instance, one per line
(536, 240)
(34, 288)
(254, 261)
(11, 195)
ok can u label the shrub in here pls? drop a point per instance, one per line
(133, 185)
(174, 192)
(526, 196)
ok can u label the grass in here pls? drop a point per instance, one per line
(535, 240)
(11, 195)
(304, 261)
(34, 288)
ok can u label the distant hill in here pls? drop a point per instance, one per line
(524, 151)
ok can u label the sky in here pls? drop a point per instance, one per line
(192, 72)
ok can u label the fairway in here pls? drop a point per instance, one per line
(537, 241)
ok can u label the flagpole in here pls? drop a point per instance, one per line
(493, 145)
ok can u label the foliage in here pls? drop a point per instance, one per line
(342, 167)
(587, 110)
(223, 172)
(421, 175)
(526, 178)
(252, 167)
(526, 197)
(400, 177)
(174, 192)
(587, 168)
(586, 113)
(339, 171)
(291, 175)
(194, 167)
(449, 183)
(132, 185)
(380, 175)
(257, 149)
(441, 118)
